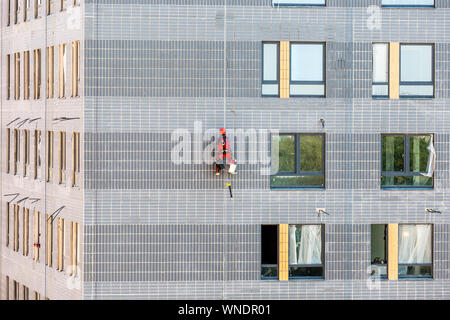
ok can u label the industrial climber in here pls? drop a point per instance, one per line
(224, 154)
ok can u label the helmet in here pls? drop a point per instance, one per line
(222, 131)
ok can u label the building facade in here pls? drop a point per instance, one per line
(337, 115)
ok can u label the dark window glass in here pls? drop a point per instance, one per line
(378, 250)
(269, 251)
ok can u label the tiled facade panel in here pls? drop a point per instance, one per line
(124, 253)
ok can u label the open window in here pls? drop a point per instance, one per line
(269, 252)
(378, 251)
(306, 251)
(415, 251)
(407, 161)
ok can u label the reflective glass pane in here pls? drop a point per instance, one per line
(417, 90)
(307, 90)
(297, 181)
(307, 62)
(380, 62)
(311, 153)
(305, 271)
(414, 271)
(270, 58)
(405, 181)
(381, 90)
(418, 153)
(416, 63)
(270, 272)
(286, 153)
(407, 2)
(305, 244)
(270, 89)
(393, 153)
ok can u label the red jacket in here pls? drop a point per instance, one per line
(224, 149)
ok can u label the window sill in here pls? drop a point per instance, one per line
(415, 278)
(408, 188)
(306, 278)
(284, 5)
(297, 188)
(416, 97)
(407, 6)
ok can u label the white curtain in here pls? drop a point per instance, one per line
(414, 244)
(431, 159)
(305, 244)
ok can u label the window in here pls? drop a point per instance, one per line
(26, 75)
(16, 11)
(50, 71)
(37, 154)
(8, 76)
(37, 74)
(270, 76)
(7, 288)
(26, 7)
(8, 149)
(74, 250)
(37, 295)
(415, 250)
(378, 250)
(62, 157)
(16, 150)
(8, 23)
(269, 251)
(298, 3)
(49, 7)
(75, 158)
(25, 292)
(17, 76)
(49, 240)
(60, 245)
(62, 70)
(307, 71)
(75, 67)
(25, 230)
(298, 161)
(416, 71)
(16, 228)
(306, 254)
(407, 161)
(380, 67)
(37, 6)
(16, 290)
(7, 224)
(36, 235)
(407, 3)
(49, 156)
(26, 152)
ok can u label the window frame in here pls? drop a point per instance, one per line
(408, 5)
(406, 161)
(278, 255)
(298, 172)
(322, 254)
(277, 82)
(406, 277)
(387, 252)
(389, 67)
(417, 83)
(324, 71)
(276, 5)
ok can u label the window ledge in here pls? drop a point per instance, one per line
(407, 188)
(307, 279)
(297, 188)
(415, 278)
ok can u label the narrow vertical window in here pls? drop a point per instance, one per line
(26, 75)
(380, 67)
(61, 5)
(25, 292)
(26, 7)
(49, 239)
(16, 11)
(415, 256)
(37, 5)
(74, 229)
(306, 254)
(307, 69)
(37, 154)
(36, 235)
(378, 250)
(16, 150)
(7, 224)
(25, 230)
(8, 149)
(270, 76)
(75, 68)
(16, 227)
(17, 76)
(37, 295)
(26, 152)
(49, 156)
(50, 72)
(269, 252)
(37, 74)
(60, 245)
(75, 158)
(16, 290)
(62, 157)
(8, 76)
(62, 70)
(8, 23)
(7, 288)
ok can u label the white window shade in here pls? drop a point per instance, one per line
(380, 62)
(416, 63)
(270, 53)
(307, 62)
(415, 244)
(305, 244)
